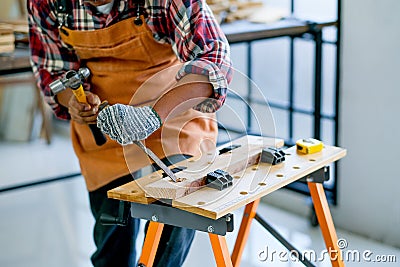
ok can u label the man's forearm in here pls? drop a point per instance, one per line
(127, 124)
(189, 92)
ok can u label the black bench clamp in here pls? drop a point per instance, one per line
(219, 179)
(272, 155)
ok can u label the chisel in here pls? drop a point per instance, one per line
(157, 160)
(148, 152)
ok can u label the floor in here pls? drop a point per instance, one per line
(50, 224)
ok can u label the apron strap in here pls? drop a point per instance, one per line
(140, 10)
(62, 8)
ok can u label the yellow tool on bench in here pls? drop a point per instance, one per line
(309, 146)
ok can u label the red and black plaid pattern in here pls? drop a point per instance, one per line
(188, 25)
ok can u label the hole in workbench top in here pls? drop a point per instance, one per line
(296, 167)
(255, 168)
(237, 177)
(312, 160)
(243, 193)
(134, 191)
(279, 175)
(201, 203)
(262, 184)
(288, 154)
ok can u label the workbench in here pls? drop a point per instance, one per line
(197, 206)
(16, 62)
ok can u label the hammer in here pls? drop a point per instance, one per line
(74, 80)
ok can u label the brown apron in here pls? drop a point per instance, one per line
(128, 66)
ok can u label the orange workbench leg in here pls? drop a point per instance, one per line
(325, 222)
(150, 245)
(248, 216)
(220, 249)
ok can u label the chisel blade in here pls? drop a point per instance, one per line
(157, 160)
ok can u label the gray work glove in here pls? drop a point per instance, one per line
(126, 124)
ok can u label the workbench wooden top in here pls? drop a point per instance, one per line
(258, 181)
(135, 191)
(254, 182)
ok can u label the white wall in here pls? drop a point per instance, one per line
(369, 189)
(10, 9)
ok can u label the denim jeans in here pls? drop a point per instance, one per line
(116, 244)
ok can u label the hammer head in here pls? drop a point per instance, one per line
(72, 79)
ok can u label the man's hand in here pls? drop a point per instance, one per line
(126, 124)
(84, 112)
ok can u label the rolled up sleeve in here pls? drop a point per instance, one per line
(199, 42)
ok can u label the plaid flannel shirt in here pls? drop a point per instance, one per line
(188, 25)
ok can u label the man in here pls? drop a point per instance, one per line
(163, 66)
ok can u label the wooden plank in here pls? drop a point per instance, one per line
(16, 25)
(134, 191)
(256, 182)
(7, 48)
(5, 29)
(18, 62)
(193, 178)
(7, 39)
